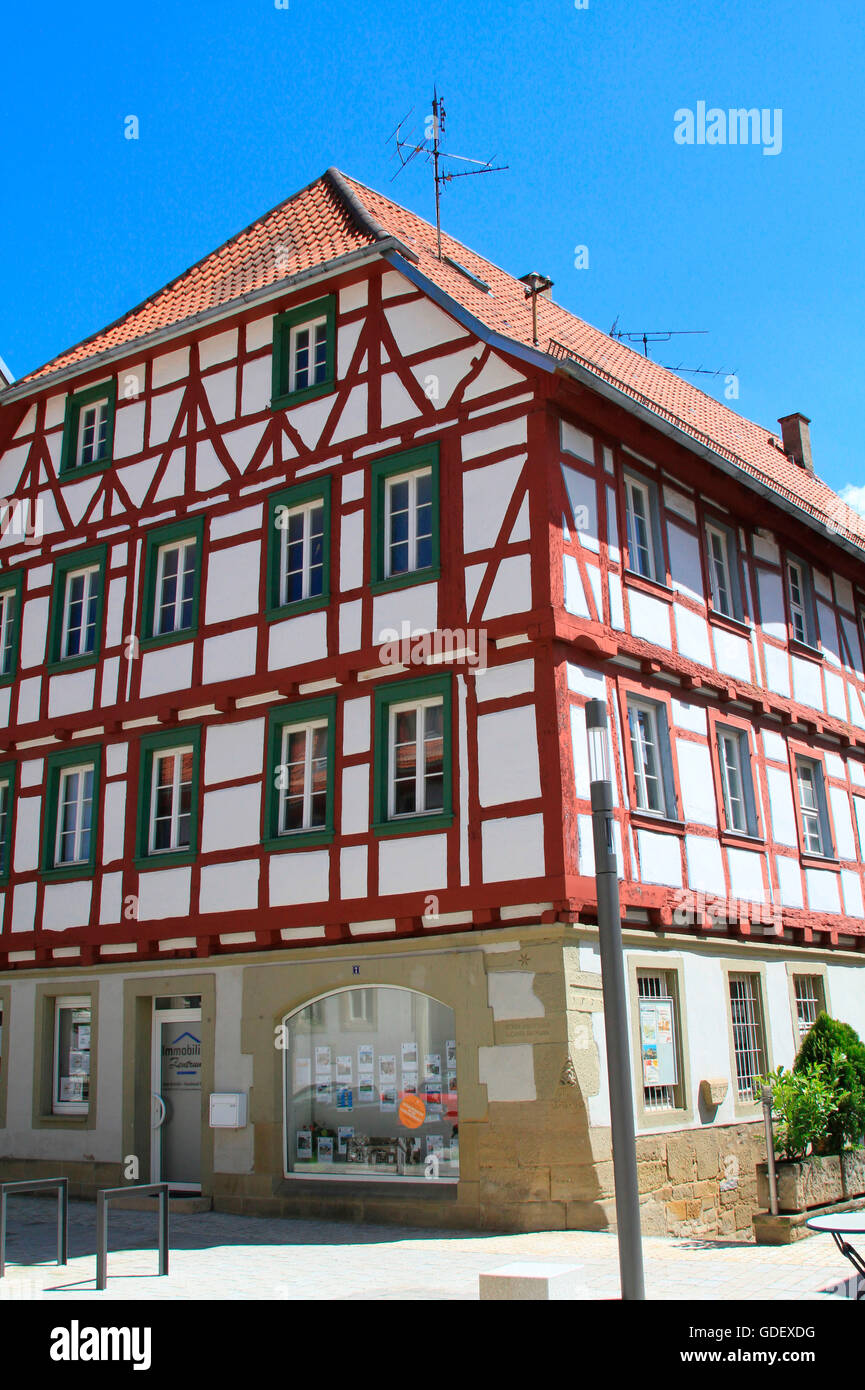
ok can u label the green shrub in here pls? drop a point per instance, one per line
(804, 1104)
(838, 1047)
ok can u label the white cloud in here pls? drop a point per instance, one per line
(854, 497)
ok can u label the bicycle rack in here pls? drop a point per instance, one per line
(61, 1185)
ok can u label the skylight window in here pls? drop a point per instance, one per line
(475, 279)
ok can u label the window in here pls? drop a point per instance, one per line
(10, 608)
(71, 816)
(88, 431)
(299, 549)
(740, 811)
(76, 624)
(172, 575)
(413, 754)
(801, 601)
(659, 1039)
(299, 790)
(644, 543)
(810, 1000)
(405, 518)
(650, 752)
(813, 809)
(723, 571)
(303, 352)
(370, 1087)
(7, 793)
(168, 798)
(746, 1014)
(71, 1086)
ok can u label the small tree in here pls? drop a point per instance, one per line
(838, 1047)
(804, 1103)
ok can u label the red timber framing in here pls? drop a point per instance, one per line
(549, 591)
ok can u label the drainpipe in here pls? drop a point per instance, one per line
(770, 1150)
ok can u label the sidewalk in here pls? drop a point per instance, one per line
(217, 1256)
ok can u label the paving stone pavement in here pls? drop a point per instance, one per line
(218, 1256)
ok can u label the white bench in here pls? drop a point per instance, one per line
(531, 1279)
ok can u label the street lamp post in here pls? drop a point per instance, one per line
(615, 1011)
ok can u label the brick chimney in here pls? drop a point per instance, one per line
(797, 439)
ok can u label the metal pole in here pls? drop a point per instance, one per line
(2, 1231)
(163, 1229)
(767, 1100)
(615, 1009)
(63, 1222)
(101, 1240)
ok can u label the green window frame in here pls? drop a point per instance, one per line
(191, 529)
(386, 697)
(10, 624)
(75, 403)
(7, 817)
(284, 328)
(68, 564)
(152, 745)
(55, 766)
(384, 472)
(280, 504)
(280, 719)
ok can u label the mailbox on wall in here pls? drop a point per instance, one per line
(228, 1110)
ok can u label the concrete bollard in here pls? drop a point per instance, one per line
(531, 1280)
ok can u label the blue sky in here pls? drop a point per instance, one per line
(240, 103)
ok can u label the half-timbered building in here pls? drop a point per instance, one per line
(309, 565)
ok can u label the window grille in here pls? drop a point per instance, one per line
(809, 1000)
(748, 1049)
(658, 987)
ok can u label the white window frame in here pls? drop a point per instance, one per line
(804, 999)
(636, 488)
(419, 708)
(752, 1031)
(800, 608)
(309, 325)
(176, 783)
(79, 770)
(88, 572)
(307, 727)
(7, 629)
(304, 509)
(728, 736)
(5, 818)
(158, 606)
(657, 747)
(721, 561)
(101, 412)
(68, 1107)
(813, 814)
(389, 484)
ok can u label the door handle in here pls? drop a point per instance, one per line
(158, 1123)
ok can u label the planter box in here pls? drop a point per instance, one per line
(853, 1173)
(810, 1182)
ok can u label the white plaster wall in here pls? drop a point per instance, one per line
(353, 871)
(650, 618)
(697, 783)
(823, 890)
(300, 877)
(297, 640)
(686, 572)
(777, 670)
(413, 864)
(781, 805)
(512, 848)
(660, 858)
(487, 494)
(511, 590)
(27, 816)
(228, 656)
(233, 582)
(511, 995)
(66, 905)
(705, 865)
(231, 817)
(417, 606)
(508, 1072)
(164, 893)
(34, 626)
(355, 799)
(732, 653)
(234, 750)
(114, 822)
(229, 887)
(166, 668)
(508, 768)
(351, 552)
(789, 881)
(355, 726)
(746, 874)
(575, 441)
(574, 594)
(807, 686)
(72, 692)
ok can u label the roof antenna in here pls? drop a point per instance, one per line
(652, 336)
(434, 126)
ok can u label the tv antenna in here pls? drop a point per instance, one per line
(649, 335)
(430, 147)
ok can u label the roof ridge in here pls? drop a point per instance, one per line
(362, 215)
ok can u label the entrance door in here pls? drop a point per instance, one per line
(176, 1097)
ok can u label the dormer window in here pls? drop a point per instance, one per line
(88, 432)
(304, 343)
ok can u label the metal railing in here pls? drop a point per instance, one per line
(108, 1194)
(61, 1185)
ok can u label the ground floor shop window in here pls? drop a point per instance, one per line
(71, 1095)
(371, 1086)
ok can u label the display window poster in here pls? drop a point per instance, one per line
(433, 1064)
(302, 1073)
(366, 1090)
(387, 1067)
(658, 1042)
(344, 1098)
(409, 1083)
(344, 1069)
(387, 1098)
(72, 1087)
(451, 1055)
(343, 1134)
(365, 1056)
(325, 1148)
(452, 1080)
(83, 1039)
(322, 1059)
(434, 1144)
(304, 1143)
(409, 1055)
(324, 1092)
(79, 1063)
(434, 1102)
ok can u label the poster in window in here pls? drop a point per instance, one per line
(302, 1073)
(409, 1083)
(387, 1099)
(387, 1068)
(304, 1145)
(409, 1056)
(366, 1088)
(343, 1134)
(325, 1148)
(322, 1059)
(452, 1081)
(365, 1057)
(79, 1063)
(451, 1055)
(344, 1070)
(83, 1039)
(72, 1088)
(433, 1065)
(344, 1098)
(658, 1042)
(324, 1092)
